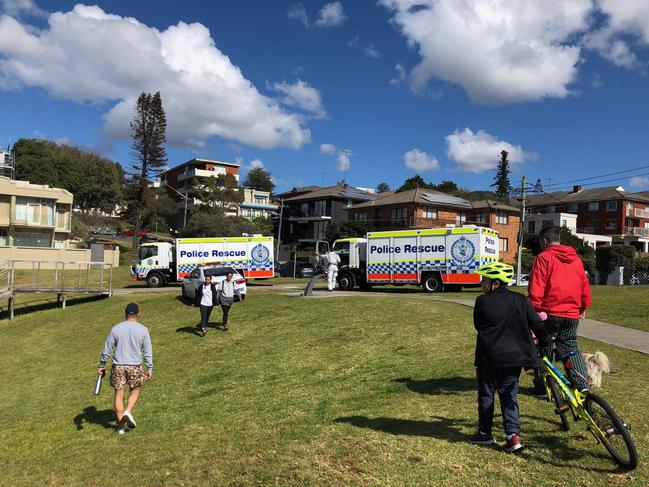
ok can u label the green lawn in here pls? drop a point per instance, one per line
(350, 391)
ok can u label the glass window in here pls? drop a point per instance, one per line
(320, 208)
(460, 219)
(61, 218)
(4, 237)
(430, 212)
(531, 226)
(593, 206)
(319, 229)
(502, 218)
(397, 213)
(504, 244)
(32, 239)
(21, 209)
(564, 223)
(305, 208)
(551, 209)
(360, 216)
(218, 271)
(148, 251)
(611, 224)
(195, 274)
(574, 208)
(593, 223)
(481, 218)
(611, 206)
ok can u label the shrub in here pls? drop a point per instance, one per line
(611, 256)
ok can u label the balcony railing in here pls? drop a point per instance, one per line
(638, 231)
(637, 212)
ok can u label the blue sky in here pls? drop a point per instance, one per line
(435, 90)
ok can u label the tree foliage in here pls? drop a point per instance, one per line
(611, 256)
(148, 132)
(585, 252)
(217, 224)
(260, 179)
(351, 228)
(414, 182)
(501, 179)
(382, 188)
(95, 182)
(538, 186)
(220, 193)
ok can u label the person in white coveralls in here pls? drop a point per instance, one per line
(332, 262)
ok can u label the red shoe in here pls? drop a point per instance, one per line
(513, 445)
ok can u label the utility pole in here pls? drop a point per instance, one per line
(279, 230)
(520, 233)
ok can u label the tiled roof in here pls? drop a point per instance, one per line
(585, 195)
(418, 195)
(341, 191)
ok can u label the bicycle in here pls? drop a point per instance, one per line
(601, 419)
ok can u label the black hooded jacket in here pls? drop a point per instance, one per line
(503, 320)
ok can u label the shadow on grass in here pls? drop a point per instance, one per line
(440, 428)
(186, 301)
(47, 303)
(90, 415)
(192, 330)
(440, 385)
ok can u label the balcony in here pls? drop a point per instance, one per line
(203, 173)
(637, 231)
(637, 213)
(304, 216)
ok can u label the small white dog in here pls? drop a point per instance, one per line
(597, 364)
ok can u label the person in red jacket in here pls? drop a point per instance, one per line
(558, 286)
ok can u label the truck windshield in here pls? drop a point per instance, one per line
(148, 251)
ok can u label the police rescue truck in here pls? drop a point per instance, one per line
(437, 258)
(162, 262)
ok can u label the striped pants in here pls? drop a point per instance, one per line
(564, 331)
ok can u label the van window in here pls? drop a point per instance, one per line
(148, 251)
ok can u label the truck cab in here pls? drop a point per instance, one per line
(155, 263)
(353, 262)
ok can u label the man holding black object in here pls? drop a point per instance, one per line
(129, 340)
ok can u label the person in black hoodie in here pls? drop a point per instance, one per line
(503, 320)
(206, 298)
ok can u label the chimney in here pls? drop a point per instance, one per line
(576, 189)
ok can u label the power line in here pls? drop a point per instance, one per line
(602, 182)
(564, 183)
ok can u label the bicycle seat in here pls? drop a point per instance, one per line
(564, 356)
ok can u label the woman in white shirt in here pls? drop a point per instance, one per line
(206, 298)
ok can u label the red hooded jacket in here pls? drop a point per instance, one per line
(558, 283)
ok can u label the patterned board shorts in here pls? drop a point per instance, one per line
(120, 375)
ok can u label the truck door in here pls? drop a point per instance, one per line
(321, 248)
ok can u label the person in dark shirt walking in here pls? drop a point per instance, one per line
(503, 320)
(228, 295)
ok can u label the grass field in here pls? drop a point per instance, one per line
(349, 391)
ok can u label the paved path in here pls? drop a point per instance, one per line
(619, 336)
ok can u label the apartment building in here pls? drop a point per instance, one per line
(257, 204)
(179, 180)
(425, 208)
(308, 211)
(609, 211)
(34, 215)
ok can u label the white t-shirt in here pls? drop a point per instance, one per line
(206, 300)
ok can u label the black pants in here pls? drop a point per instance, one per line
(505, 382)
(206, 311)
(226, 310)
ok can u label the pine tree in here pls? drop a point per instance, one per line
(501, 179)
(538, 186)
(260, 179)
(382, 188)
(148, 131)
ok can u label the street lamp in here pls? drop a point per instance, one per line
(185, 198)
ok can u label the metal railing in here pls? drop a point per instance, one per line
(637, 212)
(639, 231)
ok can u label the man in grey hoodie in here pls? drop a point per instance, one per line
(130, 340)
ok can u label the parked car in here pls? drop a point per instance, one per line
(130, 231)
(302, 269)
(217, 272)
(524, 281)
(102, 231)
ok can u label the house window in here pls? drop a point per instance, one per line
(551, 209)
(502, 218)
(397, 213)
(35, 211)
(611, 224)
(481, 218)
(4, 237)
(320, 208)
(360, 216)
(593, 206)
(61, 218)
(503, 244)
(460, 219)
(261, 200)
(32, 239)
(611, 206)
(564, 223)
(593, 224)
(305, 209)
(531, 226)
(319, 229)
(574, 208)
(430, 212)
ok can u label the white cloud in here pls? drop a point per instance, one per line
(298, 12)
(499, 51)
(368, 49)
(400, 77)
(639, 182)
(331, 15)
(418, 161)
(89, 55)
(255, 163)
(301, 95)
(327, 149)
(344, 161)
(17, 8)
(480, 152)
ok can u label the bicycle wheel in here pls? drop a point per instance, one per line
(560, 406)
(618, 441)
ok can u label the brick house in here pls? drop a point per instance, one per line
(608, 211)
(425, 208)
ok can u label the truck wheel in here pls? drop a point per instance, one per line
(432, 284)
(346, 282)
(155, 280)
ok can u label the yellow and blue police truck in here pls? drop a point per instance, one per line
(159, 263)
(436, 258)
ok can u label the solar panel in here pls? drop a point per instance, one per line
(444, 198)
(351, 192)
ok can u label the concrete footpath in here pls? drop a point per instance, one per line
(617, 335)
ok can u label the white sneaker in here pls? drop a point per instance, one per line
(121, 429)
(130, 420)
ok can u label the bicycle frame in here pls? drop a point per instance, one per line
(573, 397)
